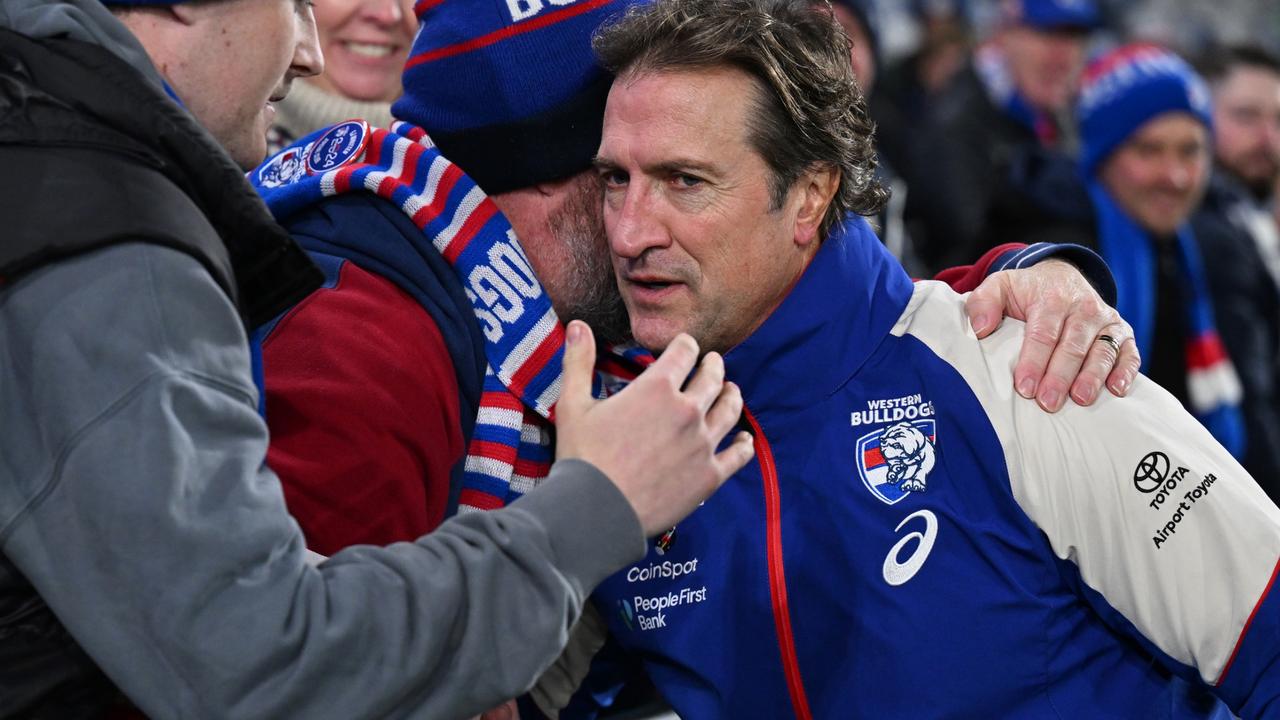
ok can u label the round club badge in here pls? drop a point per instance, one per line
(343, 143)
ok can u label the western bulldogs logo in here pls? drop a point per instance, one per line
(896, 461)
(284, 168)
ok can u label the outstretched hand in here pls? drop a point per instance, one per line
(1074, 341)
(655, 441)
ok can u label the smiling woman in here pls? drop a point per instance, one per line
(365, 44)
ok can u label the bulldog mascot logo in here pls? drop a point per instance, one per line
(909, 454)
(896, 461)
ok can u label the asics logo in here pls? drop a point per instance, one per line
(897, 572)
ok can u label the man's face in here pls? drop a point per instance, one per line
(1246, 126)
(1158, 175)
(561, 229)
(240, 55)
(1046, 65)
(696, 245)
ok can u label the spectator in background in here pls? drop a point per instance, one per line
(1145, 118)
(1239, 237)
(1246, 118)
(911, 84)
(1009, 101)
(365, 44)
(859, 21)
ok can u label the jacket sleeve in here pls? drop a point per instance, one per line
(1174, 543)
(363, 415)
(1015, 256)
(134, 497)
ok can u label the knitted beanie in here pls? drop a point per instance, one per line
(141, 2)
(509, 90)
(1057, 14)
(1128, 86)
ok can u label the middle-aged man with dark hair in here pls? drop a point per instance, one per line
(913, 539)
(145, 545)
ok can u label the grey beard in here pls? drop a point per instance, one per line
(592, 295)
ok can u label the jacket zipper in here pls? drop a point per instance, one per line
(777, 572)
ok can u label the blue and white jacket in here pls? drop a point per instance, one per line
(915, 540)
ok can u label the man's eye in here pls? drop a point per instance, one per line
(613, 178)
(687, 181)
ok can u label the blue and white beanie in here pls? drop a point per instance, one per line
(1056, 14)
(510, 90)
(1128, 86)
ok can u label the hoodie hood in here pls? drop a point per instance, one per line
(85, 20)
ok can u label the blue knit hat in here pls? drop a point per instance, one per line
(1128, 86)
(1057, 14)
(141, 2)
(509, 91)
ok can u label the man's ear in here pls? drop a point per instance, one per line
(814, 191)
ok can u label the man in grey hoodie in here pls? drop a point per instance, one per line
(144, 545)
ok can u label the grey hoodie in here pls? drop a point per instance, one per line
(135, 500)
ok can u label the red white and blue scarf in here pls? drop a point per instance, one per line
(1213, 388)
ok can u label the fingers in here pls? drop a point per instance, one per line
(675, 363)
(1126, 368)
(579, 367)
(1101, 356)
(1074, 344)
(1044, 328)
(707, 385)
(725, 413)
(735, 457)
(986, 304)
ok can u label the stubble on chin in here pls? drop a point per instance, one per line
(591, 290)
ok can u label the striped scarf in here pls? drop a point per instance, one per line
(511, 448)
(1213, 388)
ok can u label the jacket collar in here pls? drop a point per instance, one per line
(838, 313)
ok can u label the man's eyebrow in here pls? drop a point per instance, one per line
(604, 163)
(676, 165)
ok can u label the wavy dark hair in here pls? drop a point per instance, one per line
(810, 112)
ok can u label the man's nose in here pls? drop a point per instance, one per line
(308, 59)
(1177, 174)
(636, 223)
